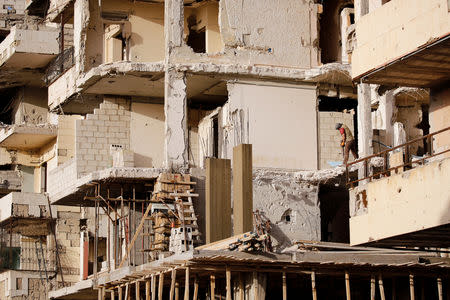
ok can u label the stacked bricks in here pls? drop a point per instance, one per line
(330, 138)
(68, 237)
(109, 125)
(62, 177)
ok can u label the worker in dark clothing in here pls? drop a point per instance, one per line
(348, 142)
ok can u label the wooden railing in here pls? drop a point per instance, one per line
(407, 159)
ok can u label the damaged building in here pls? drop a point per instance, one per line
(187, 148)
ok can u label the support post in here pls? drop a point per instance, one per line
(213, 286)
(172, 284)
(218, 199)
(177, 290)
(147, 290)
(153, 286)
(138, 292)
(255, 286)
(347, 285)
(160, 286)
(242, 189)
(228, 278)
(411, 287)
(195, 288)
(439, 286)
(313, 285)
(113, 297)
(284, 286)
(186, 284)
(372, 287)
(381, 287)
(241, 286)
(119, 292)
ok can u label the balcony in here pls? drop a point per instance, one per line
(404, 42)
(407, 201)
(26, 137)
(25, 213)
(28, 49)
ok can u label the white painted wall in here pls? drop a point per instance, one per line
(280, 122)
(147, 134)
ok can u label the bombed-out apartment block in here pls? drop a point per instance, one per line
(188, 148)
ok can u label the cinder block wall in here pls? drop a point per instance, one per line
(108, 125)
(329, 137)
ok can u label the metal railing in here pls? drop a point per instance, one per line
(63, 62)
(409, 160)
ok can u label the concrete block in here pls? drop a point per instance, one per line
(103, 117)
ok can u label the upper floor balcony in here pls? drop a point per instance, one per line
(404, 42)
(27, 137)
(406, 202)
(30, 49)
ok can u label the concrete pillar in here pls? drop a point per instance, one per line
(365, 132)
(175, 99)
(176, 132)
(361, 8)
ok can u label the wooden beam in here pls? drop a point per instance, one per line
(218, 199)
(119, 292)
(228, 278)
(411, 287)
(172, 284)
(372, 287)
(241, 286)
(347, 285)
(381, 287)
(128, 291)
(147, 290)
(138, 292)
(212, 280)
(195, 288)
(242, 189)
(153, 286)
(186, 284)
(439, 286)
(313, 285)
(177, 290)
(255, 286)
(284, 286)
(112, 294)
(160, 286)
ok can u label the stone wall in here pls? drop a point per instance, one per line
(330, 138)
(108, 125)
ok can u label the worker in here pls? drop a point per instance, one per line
(347, 142)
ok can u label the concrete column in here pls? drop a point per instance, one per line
(365, 133)
(175, 99)
(361, 8)
(176, 131)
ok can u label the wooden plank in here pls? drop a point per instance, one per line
(228, 278)
(372, 287)
(138, 292)
(255, 286)
(195, 288)
(172, 284)
(212, 280)
(381, 287)
(411, 287)
(153, 286)
(241, 286)
(147, 290)
(347, 285)
(313, 285)
(439, 286)
(160, 286)
(186, 284)
(284, 286)
(218, 199)
(242, 189)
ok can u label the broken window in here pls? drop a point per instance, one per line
(335, 30)
(286, 217)
(197, 36)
